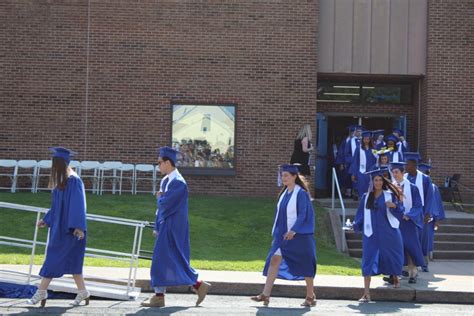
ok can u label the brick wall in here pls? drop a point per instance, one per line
(142, 56)
(447, 118)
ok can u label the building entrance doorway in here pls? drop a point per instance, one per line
(332, 130)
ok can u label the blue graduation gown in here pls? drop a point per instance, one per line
(298, 254)
(437, 209)
(343, 176)
(428, 194)
(65, 254)
(382, 252)
(171, 255)
(363, 180)
(411, 229)
(380, 145)
(392, 154)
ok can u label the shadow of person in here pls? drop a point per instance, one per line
(167, 310)
(382, 307)
(262, 310)
(54, 310)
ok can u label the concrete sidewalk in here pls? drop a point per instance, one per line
(447, 282)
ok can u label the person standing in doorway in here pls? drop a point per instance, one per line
(302, 150)
(364, 160)
(66, 220)
(171, 255)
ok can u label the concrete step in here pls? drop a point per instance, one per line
(454, 255)
(355, 253)
(457, 229)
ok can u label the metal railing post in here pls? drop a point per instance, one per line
(35, 237)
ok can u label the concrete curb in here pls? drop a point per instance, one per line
(328, 292)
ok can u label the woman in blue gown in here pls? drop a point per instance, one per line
(378, 217)
(67, 229)
(292, 255)
(364, 160)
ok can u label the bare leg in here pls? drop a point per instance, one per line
(272, 274)
(44, 284)
(411, 267)
(309, 287)
(79, 282)
(367, 286)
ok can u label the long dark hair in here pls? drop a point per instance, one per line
(386, 185)
(58, 178)
(301, 181)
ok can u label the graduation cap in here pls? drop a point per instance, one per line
(62, 152)
(398, 131)
(290, 168)
(366, 134)
(378, 132)
(398, 165)
(377, 172)
(169, 153)
(424, 166)
(392, 138)
(413, 156)
(354, 127)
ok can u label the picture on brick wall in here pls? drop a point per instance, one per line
(204, 135)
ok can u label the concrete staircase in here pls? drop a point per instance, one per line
(453, 241)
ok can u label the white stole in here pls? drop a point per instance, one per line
(407, 198)
(419, 185)
(368, 219)
(362, 160)
(395, 156)
(353, 145)
(291, 213)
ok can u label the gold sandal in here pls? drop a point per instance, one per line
(261, 298)
(309, 301)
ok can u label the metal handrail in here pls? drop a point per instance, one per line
(335, 184)
(132, 257)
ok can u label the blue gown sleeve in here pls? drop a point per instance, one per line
(429, 200)
(398, 210)
(305, 214)
(49, 214)
(359, 218)
(76, 205)
(415, 214)
(438, 207)
(355, 162)
(168, 202)
(348, 152)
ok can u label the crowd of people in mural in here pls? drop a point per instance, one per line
(200, 154)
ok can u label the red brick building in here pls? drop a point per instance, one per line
(108, 78)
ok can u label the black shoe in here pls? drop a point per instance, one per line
(412, 280)
(388, 279)
(405, 273)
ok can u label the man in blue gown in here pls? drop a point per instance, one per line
(425, 187)
(171, 254)
(412, 222)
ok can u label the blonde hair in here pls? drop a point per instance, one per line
(305, 131)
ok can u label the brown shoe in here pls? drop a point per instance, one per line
(154, 301)
(261, 298)
(202, 292)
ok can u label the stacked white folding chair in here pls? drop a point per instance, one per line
(110, 171)
(8, 169)
(76, 166)
(145, 172)
(43, 169)
(26, 169)
(127, 172)
(91, 170)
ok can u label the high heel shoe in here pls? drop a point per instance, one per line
(261, 298)
(364, 299)
(309, 301)
(40, 295)
(83, 295)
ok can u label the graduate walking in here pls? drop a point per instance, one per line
(171, 255)
(378, 217)
(364, 160)
(425, 187)
(292, 255)
(412, 223)
(66, 220)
